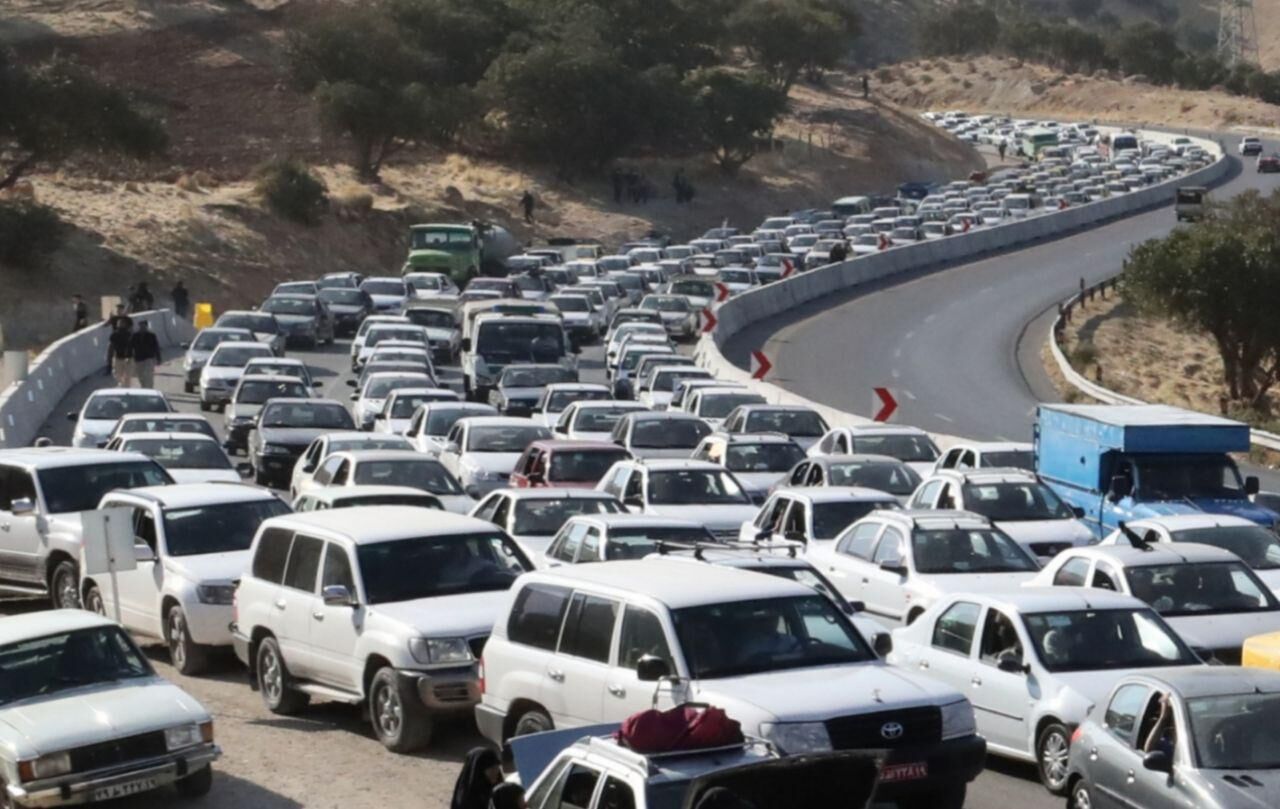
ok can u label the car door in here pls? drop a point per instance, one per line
(848, 563)
(335, 629)
(926, 495)
(1112, 754)
(795, 526)
(641, 634)
(1000, 698)
(140, 588)
(324, 475)
(885, 578)
(577, 677)
(295, 602)
(633, 495)
(951, 644)
(451, 454)
(21, 546)
(799, 474)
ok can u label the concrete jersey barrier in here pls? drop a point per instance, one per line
(27, 404)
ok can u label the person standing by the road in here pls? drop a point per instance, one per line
(81, 313)
(839, 252)
(1002, 147)
(527, 202)
(142, 298)
(181, 300)
(144, 350)
(113, 323)
(120, 347)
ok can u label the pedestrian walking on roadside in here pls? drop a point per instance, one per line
(120, 345)
(144, 350)
(81, 313)
(142, 300)
(181, 300)
(527, 202)
(1002, 147)
(113, 323)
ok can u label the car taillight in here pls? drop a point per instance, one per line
(480, 674)
(1076, 734)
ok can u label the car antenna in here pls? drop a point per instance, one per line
(1132, 535)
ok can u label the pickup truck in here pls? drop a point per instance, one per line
(1127, 462)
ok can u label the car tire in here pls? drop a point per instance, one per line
(93, 601)
(196, 784)
(187, 656)
(534, 720)
(950, 798)
(1081, 796)
(64, 586)
(274, 681)
(205, 407)
(1053, 744)
(399, 719)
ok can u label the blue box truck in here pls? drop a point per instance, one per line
(1126, 462)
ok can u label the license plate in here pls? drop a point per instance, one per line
(124, 789)
(893, 773)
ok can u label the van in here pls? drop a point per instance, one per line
(500, 340)
(851, 206)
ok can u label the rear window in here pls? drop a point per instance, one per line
(536, 616)
(273, 550)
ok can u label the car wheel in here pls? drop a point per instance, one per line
(64, 586)
(534, 720)
(273, 681)
(205, 407)
(186, 655)
(950, 798)
(1053, 746)
(196, 784)
(93, 600)
(400, 720)
(1081, 795)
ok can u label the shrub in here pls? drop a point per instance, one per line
(1084, 355)
(290, 190)
(28, 232)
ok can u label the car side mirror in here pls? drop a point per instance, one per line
(534, 477)
(894, 566)
(856, 606)
(451, 446)
(882, 644)
(1251, 485)
(1120, 488)
(650, 669)
(71, 415)
(1078, 512)
(351, 383)
(1011, 664)
(355, 397)
(1157, 761)
(335, 595)
(22, 507)
(143, 552)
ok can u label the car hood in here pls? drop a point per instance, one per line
(209, 567)
(293, 436)
(1262, 793)
(1236, 508)
(221, 372)
(97, 427)
(67, 523)
(97, 713)
(1224, 630)
(722, 516)
(823, 692)
(977, 582)
(464, 615)
(204, 475)
(1028, 531)
(759, 481)
(243, 410)
(491, 461)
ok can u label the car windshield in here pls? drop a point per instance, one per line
(431, 318)
(440, 420)
(440, 239)
(265, 324)
(543, 341)
(830, 519)
(1098, 640)
(600, 419)
(571, 303)
(632, 358)
(689, 487)
(393, 288)
(895, 478)
(1235, 731)
(1258, 547)
(968, 550)
(750, 637)
(177, 453)
(544, 517)
(256, 392)
(669, 433)
(39, 667)
(342, 297)
(1011, 459)
(428, 282)
(220, 528)
(375, 336)
(289, 306)
(261, 365)
(637, 542)
(583, 466)
(371, 442)
(905, 447)
(209, 340)
(235, 356)
(698, 289)
(507, 438)
(380, 388)
(665, 304)
(112, 406)
(776, 457)
(406, 404)
(529, 377)
(426, 567)
(737, 276)
(79, 488)
(795, 423)
(1173, 477)
(719, 405)
(307, 415)
(167, 425)
(665, 381)
(416, 473)
(1205, 588)
(560, 399)
(1015, 502)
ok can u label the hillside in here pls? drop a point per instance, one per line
(216, 71)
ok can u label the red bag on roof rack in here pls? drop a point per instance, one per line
(685, 727)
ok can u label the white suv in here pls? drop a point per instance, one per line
(192, 544)
(585, 644)
(386, 606)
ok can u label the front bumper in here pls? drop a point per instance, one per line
(79, 788)
(951, 764)
(238, 434)
(208, 623)
(490, 720)
(215, 395)
(455, 689)
(278, 467)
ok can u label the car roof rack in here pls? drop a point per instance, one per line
(666, 546)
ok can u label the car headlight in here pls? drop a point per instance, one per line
(440, 650)
(272, 449)
(957, 720)
(793, 738)
(215, 593)
(241, 420)
(47, 766)
(182, 736)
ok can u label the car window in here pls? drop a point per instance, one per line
(501, 511)
(956, 627)
(341, 473)
(588, 627)
(575, 790)
(1122, 714)
(1104, 578)
(591, 546)
(273, 550)
(772, 512)
(144, 529)
(488, 507)
(304, 562)
(999, 638)
(1072, 573)
(925, 497)
(890, 549)
(536, 616)
(642, 635)
(616, 795)
(337, 570)
(797, 477)
(797, 522)
(324, 475)
(568, 550)
(861, 540)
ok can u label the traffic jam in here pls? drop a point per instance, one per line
(526, 506)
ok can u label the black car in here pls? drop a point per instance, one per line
(348, 306)
(283, 431)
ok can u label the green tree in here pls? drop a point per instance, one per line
(466, 35)
(734, 112)
(786, 37)
(965, 27)
(57, 109)
(1211, 277)
(1147, 49)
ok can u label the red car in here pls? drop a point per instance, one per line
(564, 464)
(1269, 164)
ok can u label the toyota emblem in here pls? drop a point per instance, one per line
(891, 730)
